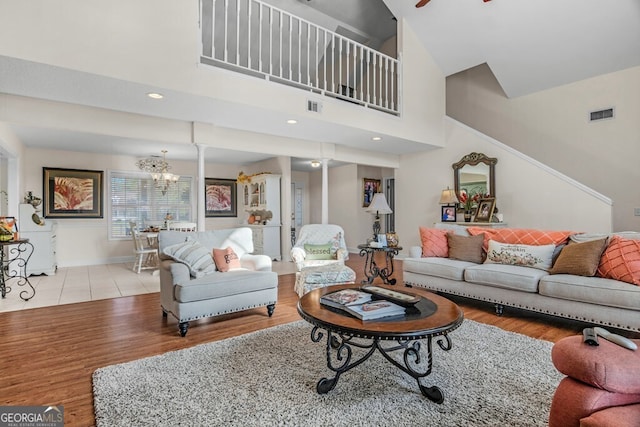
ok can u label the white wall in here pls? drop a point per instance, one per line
(528, 194)
(86, 241)
(552, 126)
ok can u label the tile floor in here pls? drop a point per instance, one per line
(77, 284)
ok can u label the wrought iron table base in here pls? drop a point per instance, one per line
(14, 266)
(339, 351)
(371, 268)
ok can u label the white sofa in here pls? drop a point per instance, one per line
(589, 299)
(187, 297)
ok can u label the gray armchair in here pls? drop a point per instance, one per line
(191, 287)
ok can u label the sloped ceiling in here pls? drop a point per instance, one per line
(530, 45)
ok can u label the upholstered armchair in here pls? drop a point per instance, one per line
(318, 245)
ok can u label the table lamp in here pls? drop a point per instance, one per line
(378, 205)
(448, 197)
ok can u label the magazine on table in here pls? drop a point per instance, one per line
(345, 297)
(375, 310)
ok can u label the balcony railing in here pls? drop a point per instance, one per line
(256, 38)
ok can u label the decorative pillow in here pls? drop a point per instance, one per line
(538, 256)
(621, 260)
(226, 259)
(434, 242)
(335, 244)
(465, 248)
(521, 236)
(581, 259)
(318, 251)
(193, 255)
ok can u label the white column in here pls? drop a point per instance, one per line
(200, 187)
(325, 191)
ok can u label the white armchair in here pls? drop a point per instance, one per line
(319, 234)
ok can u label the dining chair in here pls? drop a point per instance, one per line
(146, 254)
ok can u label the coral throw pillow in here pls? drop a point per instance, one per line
(434, 242)
(621, 261)
(226, 259)
(521, 236)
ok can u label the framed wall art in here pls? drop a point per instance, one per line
(72, 193)
(220, 197)
(485, 209)
(369, 188)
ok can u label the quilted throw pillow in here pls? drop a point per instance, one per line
(621, 260)
(318, 251)
(581, 259)
(522, 255)
(226, 259)
(193, 255)
(434, 242)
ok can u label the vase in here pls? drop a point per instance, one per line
(467, 216)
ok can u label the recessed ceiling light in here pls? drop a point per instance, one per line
(377, 138)
(155, 95)
(292, 121)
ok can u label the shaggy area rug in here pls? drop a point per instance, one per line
(266, 378)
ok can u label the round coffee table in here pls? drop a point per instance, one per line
(432, 317)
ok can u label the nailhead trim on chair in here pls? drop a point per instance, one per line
(219, 313)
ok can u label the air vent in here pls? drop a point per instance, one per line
(314, 106)
(601, 115)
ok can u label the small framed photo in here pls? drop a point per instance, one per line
(448, 214)
(9, 228)
(220, 197)
(484, 212)
(369, 188)
(382, 240)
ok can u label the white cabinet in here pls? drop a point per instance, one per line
(43, 238)
(260, 210)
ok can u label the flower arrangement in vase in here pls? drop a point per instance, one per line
(469, 203)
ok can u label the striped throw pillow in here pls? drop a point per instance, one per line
(193, 255)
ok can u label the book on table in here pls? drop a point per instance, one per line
(375, 309)
(360, 304)
(345, 297)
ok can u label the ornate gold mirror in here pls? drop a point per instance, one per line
(475, 173)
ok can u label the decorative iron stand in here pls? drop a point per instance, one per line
(371, 268)
(14, 256)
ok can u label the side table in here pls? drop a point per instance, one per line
(371, 268)
(14, 256)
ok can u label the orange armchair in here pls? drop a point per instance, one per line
(602, 387)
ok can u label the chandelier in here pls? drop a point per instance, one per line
(159, 169)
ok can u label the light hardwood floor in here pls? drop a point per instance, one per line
(47, 355)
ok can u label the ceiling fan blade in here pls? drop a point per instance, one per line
(422, 3)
